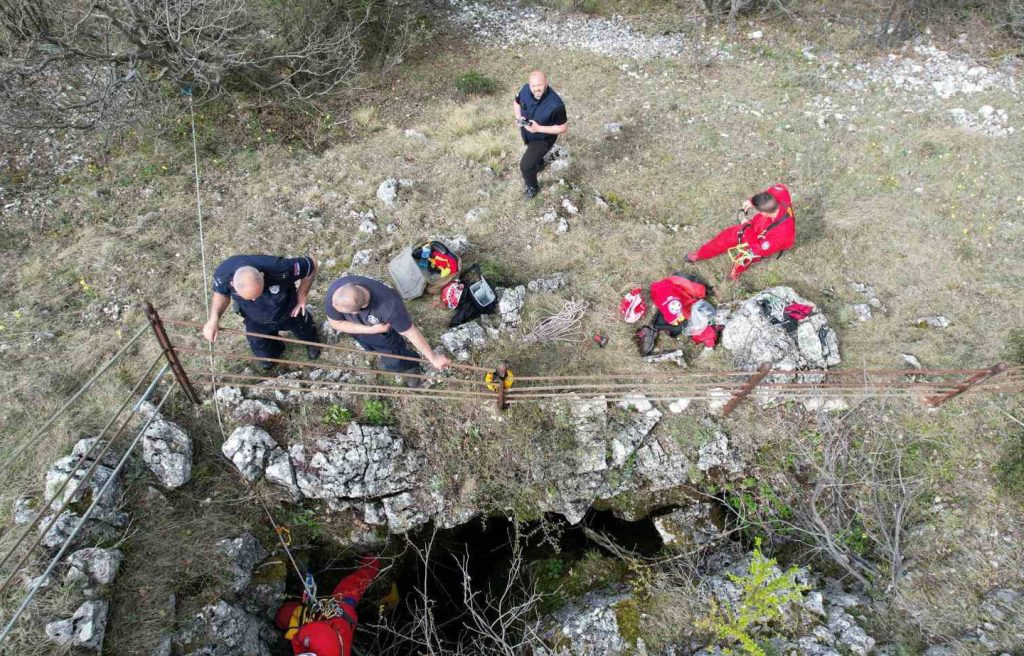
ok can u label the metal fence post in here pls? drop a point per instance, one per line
(168, 349)
(960, 388)
(747, 388)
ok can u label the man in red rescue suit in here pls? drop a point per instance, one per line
(772, 230)
(328, 632)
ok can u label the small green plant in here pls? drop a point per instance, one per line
(307, 519)
(337, 415)
(1015, 345)
(763, 593)
(476, 83)
(377, 413)
(615, 201)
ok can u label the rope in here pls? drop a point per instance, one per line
(206, 301)
(563, 326)
(319, 365)
(333, 347)
(342, 386)
(82, 390)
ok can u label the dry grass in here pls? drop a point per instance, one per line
(952, 249)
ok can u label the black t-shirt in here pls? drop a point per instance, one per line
(279, 276)
(386, 306)
(549, 110)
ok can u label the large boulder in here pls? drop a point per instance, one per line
(166, 449)
(364, 462)
(84, 629)
(461, 340)
(759, 332)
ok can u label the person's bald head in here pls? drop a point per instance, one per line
(248, 282)
(350, 298)
(538, 84)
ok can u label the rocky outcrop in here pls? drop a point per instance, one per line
(387, 191)
(758, 331)
(166, 449)
(825, 621)
(225, 629)
(241, 621)
(588, 626)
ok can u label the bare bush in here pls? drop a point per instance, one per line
(70, 64)
(848, 496)
(498, 616)
(732, 8)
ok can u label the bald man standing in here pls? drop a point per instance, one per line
(540, 116)
(270, 293)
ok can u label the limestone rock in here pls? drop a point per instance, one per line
(242, 554)
(84, 629)
(588, 625)
(692, 526)
(388, 190)
(461, 340)
(510, 306)
(229, 396)
(223, 629)
(718, 460)
(558, 159)
(362, 463)
(248, 447)
(757, 332)
(554, 283)
(933, 322)
(255, 412)
(24, 511)
(280, 472)
(166, 449)
(94, 566)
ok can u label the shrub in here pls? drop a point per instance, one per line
(476, 83)
(337, 415)
(367, 119)
(764, 591)
(377, 413)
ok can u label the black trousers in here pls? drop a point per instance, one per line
(533, 160)
(392, 343)
(301, 326)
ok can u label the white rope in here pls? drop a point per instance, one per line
(213, 370)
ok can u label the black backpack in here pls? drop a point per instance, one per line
(477, 298)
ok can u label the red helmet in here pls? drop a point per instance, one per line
(452, 293)
(632, 308)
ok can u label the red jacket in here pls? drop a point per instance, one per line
(674, 296)
(769, 234)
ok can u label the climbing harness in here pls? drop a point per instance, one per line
(741, 255)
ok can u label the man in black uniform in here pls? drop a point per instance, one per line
(375, 316)
(540, 115)
(265, 294)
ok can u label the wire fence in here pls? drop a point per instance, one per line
(192, 361)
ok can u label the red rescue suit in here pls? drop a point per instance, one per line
(757, 238)
(310, 632)
(674, 296)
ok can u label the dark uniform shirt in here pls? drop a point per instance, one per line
(386, 306)
(549, 110)
(279, 276)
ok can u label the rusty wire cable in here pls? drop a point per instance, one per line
(18, 451)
